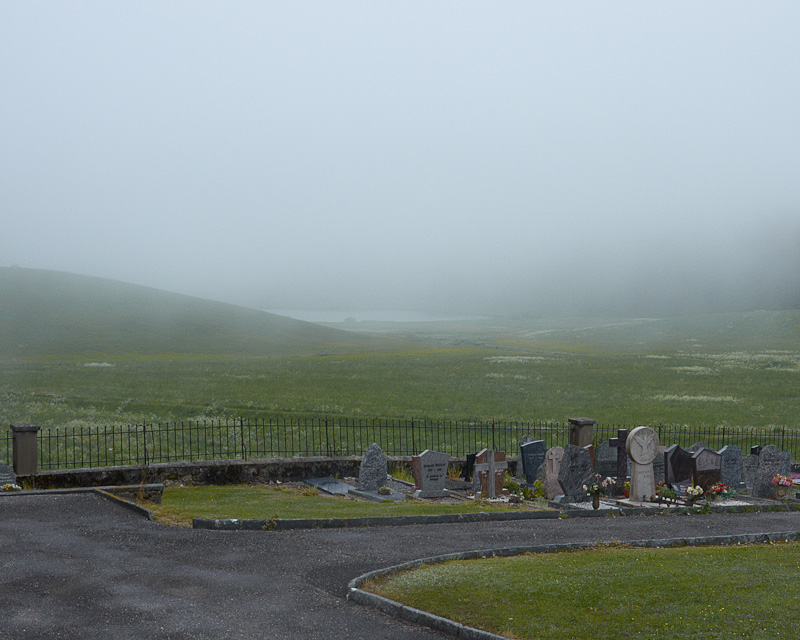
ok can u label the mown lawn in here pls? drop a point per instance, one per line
(256, 502)
(714, 593)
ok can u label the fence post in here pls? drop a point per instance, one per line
(144, 441)
(25, 454)
(241, 433)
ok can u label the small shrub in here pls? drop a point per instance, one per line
(402, 473)
(511, 484)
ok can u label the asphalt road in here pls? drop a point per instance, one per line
(78, 566)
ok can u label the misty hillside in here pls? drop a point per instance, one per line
(48, 312)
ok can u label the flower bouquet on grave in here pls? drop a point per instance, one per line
(596, 488)
(693, 494)
(783, 485)
(664, 493)
(720, 491)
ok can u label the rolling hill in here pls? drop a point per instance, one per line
(51, 313)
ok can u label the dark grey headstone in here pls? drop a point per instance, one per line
(532, 456)
(731, 469)
(706, 467)
(605, 460)
(330, 485)
(755, 449)
(576, 470)
(430, 474)
(523, 440)
(771, 461)
(658, 465)
(749, 469)
(677, 465)
(373, 471)
(7, 475)
(469, 467)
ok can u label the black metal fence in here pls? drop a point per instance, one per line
(66, 448)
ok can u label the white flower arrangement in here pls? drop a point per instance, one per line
(694, 491)
(11, 487)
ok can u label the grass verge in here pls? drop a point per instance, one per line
(180, 505)
(612, 593)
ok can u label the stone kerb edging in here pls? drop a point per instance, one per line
(234, 524)
(423, 618)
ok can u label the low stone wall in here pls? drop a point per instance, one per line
(202, 472)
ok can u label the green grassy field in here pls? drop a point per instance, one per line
(740, 369)
(612, 593)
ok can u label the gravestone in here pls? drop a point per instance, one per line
(523, 440)
(330, 485)
(532, 456)
(642, 448)
(697, 446)
(581, 431)
(7, 475)
(706, 468)
(430, 473)
(590, 449)
(552, 467)
(622, 466)
(731, 467)
(749, 469)
(677, 465)
(606, 460)
(373, 471)
(469, 467)
(489, 468)
(576, 470)
(659, 472)
(755, 449)
(771, 461)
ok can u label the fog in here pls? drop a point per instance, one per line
(450, 157)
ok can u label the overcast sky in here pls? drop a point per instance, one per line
(462, 156)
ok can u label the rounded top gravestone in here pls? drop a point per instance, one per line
(642, 445)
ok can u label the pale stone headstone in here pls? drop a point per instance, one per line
(731, 467)
(642, 447)
(706, 467)
(576, 470)
(532, 456)
(552, 467)
(522, 441)
(430, 473)
(771, 461)
(7, 475)
(490, 466)
(373, 471)
(697, 446)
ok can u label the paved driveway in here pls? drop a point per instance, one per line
(78, 566)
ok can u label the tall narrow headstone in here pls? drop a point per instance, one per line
(731, 467)
(469, 467)
(706, 467)
(552, 467)
(490, 466)
(749, 469)
(373, 471)
(621, 471)
(642, 447)
(659, 471)
(532, 456)
(522, 441)
(575, 472)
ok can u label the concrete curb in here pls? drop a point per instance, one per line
(423, 618)
(233, 524)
